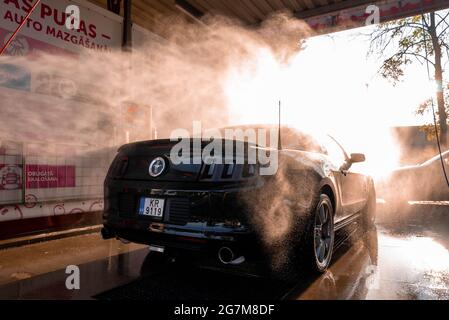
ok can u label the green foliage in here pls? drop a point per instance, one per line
(426, 108)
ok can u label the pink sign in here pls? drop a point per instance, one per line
(49, 176)
(10, 176)
(98, 29)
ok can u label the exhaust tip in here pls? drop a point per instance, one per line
(225, 255)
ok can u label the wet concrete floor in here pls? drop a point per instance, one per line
(406, 260)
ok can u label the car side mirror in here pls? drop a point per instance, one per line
(357, 157)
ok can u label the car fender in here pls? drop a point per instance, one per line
(329, 181)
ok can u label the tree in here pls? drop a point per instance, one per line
(426, 106)
(422, 39)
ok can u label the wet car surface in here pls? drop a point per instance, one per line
(397, 260)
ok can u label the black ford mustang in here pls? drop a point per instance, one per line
(231, 214)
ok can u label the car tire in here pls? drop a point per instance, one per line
(320, 233)
(368, 217)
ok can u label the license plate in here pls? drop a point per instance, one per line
(152, 207)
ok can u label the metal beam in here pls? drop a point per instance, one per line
(188, 9)
(127, 26)
(114, 6)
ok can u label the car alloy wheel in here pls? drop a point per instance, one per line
(323, 233)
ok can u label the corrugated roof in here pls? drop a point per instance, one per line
(147, 13)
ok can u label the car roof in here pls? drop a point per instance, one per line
(309, 141)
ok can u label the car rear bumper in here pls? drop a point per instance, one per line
(195, 237)
(199, 220)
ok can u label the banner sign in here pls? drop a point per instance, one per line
(49, 176)
(360, 15)
(98, 29)
(46, 31)
(14, 76)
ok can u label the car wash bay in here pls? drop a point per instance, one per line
(403, 258)
(390, 262)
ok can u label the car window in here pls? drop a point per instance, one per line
(333, 150)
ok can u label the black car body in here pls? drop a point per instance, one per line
(236, 215)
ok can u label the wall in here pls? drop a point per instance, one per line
(46, 168)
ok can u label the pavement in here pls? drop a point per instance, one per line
(405, 259)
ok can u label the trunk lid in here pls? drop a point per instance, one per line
(133, 163)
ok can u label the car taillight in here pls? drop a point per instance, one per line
(120, 167)
(249, 170)
(229, 171)
(208, 171)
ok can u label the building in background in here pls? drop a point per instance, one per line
(52, 160)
